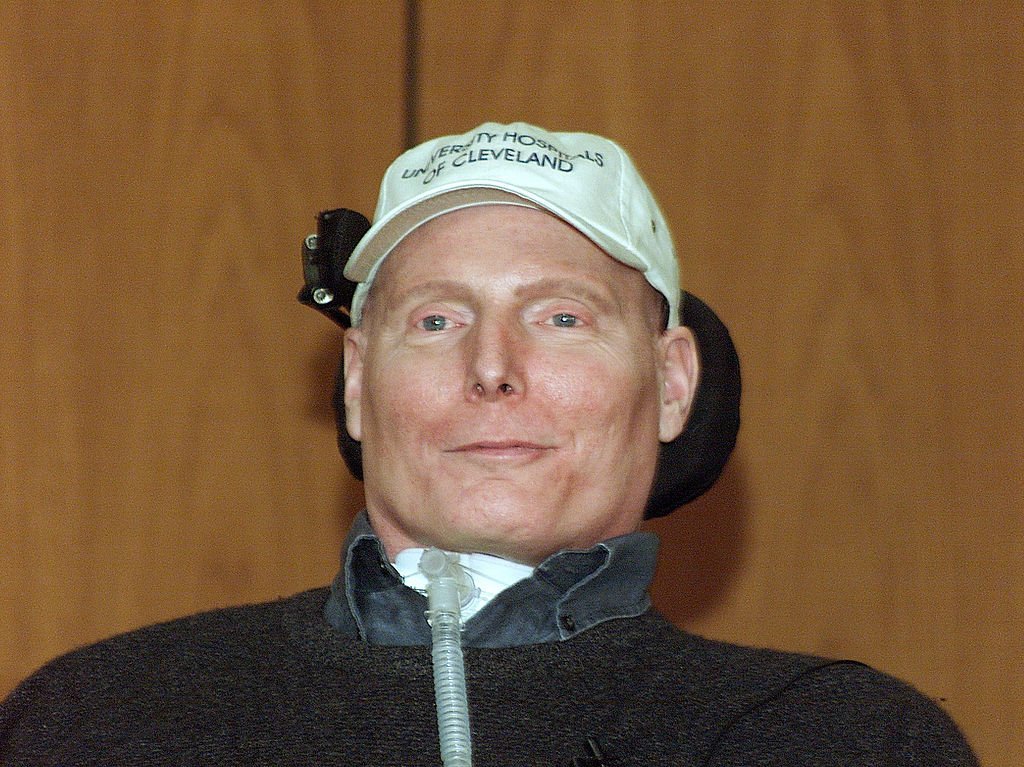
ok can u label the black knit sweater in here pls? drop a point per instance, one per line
(274, 684)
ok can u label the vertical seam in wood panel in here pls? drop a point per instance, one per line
(412, 34)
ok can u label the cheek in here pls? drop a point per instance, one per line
(603, 392)
(401, 402)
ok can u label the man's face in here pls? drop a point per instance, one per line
(509, 385)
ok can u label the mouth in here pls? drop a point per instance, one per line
(501, 450)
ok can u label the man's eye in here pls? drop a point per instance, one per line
(565, 320)
(434, 322)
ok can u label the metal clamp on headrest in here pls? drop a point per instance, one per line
(324, 255)
(687, 466)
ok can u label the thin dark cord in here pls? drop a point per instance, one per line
(412, 66)
(726, 730)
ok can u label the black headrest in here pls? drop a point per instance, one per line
(687, 466)
(690, 464)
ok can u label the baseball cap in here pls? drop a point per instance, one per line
(586, 180)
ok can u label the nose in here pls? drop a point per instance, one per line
(495, 368)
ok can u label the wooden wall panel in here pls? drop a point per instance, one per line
(166, 441)
(845, 187)
(844, 182)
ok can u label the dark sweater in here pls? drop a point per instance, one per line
(274, 684)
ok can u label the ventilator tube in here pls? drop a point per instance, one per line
(447, 586)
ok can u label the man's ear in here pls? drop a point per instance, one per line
(680, 371)
(355, 347)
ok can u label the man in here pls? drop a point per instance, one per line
(516, 360)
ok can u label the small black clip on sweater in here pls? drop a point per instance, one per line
(594, 757)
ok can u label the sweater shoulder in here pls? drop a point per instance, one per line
(193, 658)
(841, 712)
(755, 705)
(240, 626)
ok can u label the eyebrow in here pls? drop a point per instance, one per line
(449, 287)
(569, 287)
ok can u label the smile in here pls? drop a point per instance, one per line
(501, 450)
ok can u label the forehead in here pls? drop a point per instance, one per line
(496, 240)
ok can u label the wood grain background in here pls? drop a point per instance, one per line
(844, 182)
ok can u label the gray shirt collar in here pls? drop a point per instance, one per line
(569, 592)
